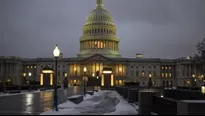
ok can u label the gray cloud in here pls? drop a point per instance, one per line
(157, 28)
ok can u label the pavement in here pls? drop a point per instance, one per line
(33, 103)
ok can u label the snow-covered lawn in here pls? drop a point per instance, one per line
(101, 103)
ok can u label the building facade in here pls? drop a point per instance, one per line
(99, 53)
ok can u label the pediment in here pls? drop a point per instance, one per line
(97, 57)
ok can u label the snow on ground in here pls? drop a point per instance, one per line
(101, 103)
(75, 96)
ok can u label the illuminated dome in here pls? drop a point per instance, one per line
(99, 34)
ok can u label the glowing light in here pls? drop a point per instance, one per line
(84, 69)
(107, 72)
(97, 77)
(112, 80)
(150, 75)
(29, 74)
(102, 80)
(203, 89)
(41, 79)
(162, 96)
(93, 74)
(47, 71)
(56, 52)
(51, 79)
(193, 75)
(24, 74)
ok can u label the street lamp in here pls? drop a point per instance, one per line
(29, 75)
(56, 53)
(84, 79)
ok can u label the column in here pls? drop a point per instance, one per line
(41, 79)
(102, 80)
(113, 45)
(106, 44)
(51, 79)
(112, 80)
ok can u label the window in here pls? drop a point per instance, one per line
(24, 74)
(63, 66)
(165, 67)
(154, 73)
(170, 74)
(154, 66)
(162, 75)
(59, 66)
(149, 66)
(170, 68)
(131, 66)
(166, 75)
(65, 74)
(162, 68)
(27, 66)
(137, 73)
(143, 67)
(34, 66)
(58, 73)
(137, 67)
(143, 73)
(41, 66)
(132, 73)
(31, 66)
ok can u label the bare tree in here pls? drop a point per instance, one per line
(200, 57)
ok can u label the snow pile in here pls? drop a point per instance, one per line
(123, 108)
(75, 96)
(101, 103)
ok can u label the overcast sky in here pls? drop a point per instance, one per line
(156, 28)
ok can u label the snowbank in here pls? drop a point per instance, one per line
(101, 103)
(123, 108)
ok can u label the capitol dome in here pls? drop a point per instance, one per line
(99, 34)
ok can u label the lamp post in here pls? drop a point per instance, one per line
(193, 82)
(29, 87)
(84, 79)
(56, 53)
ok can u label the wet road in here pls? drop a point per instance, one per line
(34, 103)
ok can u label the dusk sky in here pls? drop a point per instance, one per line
(156, 28)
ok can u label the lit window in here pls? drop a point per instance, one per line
(165, 67)
(188, 82)
(170, 67)
(150, 75)
(27, 66)
(24, 74)
(143, 73)
(65, 74)
(120, 82)
(162, 68)
(34, 66)
(31, 66)
(162, 74)
(166, 75)
(170, 74)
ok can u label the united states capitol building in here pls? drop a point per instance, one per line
(99, 53)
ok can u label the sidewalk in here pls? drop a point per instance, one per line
(101, 103)
(22, 92)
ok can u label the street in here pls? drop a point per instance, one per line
(34, 103)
